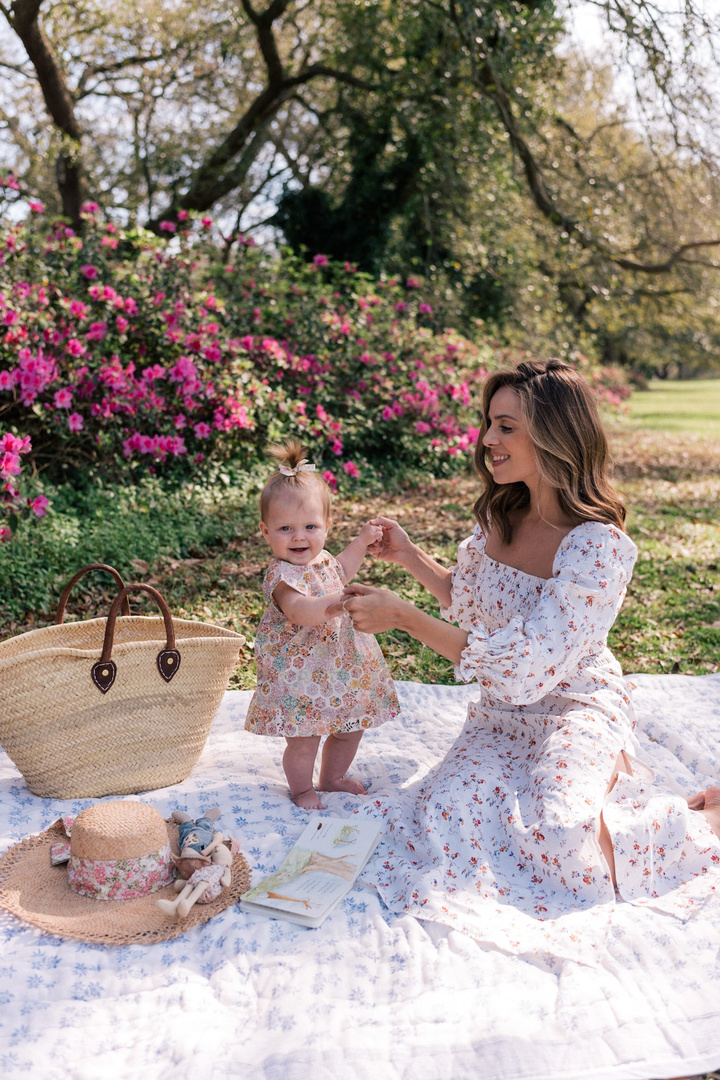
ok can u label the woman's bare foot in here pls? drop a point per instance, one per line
(707, 802)
(308, 800)
(344, 783)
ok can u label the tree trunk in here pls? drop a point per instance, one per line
(24, 19)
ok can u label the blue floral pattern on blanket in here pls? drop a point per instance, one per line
(369, 995)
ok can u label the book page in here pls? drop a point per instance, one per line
(319, 870)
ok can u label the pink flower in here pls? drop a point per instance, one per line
(183, 215)
(425, 309)
(330, 479)
(9, 465)
(321, 260)
(122, 324)
(96, 331)
(36, 206)
(5, 533)
(40, 505)
(387, 413)
(78, 310)
(168, 226)
(75, 422)
(75, 347)
(202, 430)
(351, 469)
(90, 272)
(63, 399)
(206, 222)
(89, 208)
(13, 445)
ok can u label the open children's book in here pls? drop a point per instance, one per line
(318, 872)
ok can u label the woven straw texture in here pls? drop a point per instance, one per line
(120, 829)
(71, 741)
(38, 893)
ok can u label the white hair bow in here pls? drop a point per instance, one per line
(302, 466)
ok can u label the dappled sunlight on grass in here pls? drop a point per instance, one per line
(670, 621)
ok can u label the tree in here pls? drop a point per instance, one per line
(453, 137)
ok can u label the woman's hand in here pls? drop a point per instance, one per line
(395, 544)
(370, 535)
(372, 610)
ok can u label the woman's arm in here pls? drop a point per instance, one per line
(306, 610)
(351, 557)
(375, 610)
(396, 546)
(525, 659)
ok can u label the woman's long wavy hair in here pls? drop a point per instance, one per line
(570, 447)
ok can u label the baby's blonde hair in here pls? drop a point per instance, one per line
(291, 453)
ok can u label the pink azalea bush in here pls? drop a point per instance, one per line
(124, 352)
(120, 352)
(13, 501)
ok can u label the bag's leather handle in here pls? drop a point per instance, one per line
(62, 603)
(168, 659)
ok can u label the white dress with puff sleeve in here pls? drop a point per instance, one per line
(500, 841)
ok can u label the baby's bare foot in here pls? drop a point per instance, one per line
(344, 783)
(308, 800)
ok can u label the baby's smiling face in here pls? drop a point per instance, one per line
(296, 529)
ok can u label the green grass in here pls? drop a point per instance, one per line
(691, 406)
(200, 546)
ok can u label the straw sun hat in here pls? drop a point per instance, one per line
(119, 849)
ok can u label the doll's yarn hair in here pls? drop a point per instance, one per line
(300, 484)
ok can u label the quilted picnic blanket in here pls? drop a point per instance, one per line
(371, 995)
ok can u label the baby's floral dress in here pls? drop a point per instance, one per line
(316, 680)
(500, 840)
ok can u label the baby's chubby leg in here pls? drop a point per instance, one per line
(337, 757)
(298, 763)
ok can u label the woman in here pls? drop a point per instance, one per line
(539, 808)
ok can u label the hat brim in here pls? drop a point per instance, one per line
(38, 893)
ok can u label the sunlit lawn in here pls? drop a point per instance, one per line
(685, 406)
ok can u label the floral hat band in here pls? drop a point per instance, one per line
(136, 874)
(293, 470)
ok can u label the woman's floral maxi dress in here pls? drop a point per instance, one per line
(504, 832)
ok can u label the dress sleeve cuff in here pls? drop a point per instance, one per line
(472, 656)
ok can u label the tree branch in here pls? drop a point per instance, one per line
(492, 87)
(216, 176)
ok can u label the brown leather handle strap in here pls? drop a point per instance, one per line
(113, 613)
(62, 604)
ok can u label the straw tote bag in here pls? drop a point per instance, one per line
(112, 706)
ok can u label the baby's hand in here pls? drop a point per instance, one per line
(371, 535)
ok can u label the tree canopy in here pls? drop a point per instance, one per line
(464, 140)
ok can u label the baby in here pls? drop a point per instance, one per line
(317, 675)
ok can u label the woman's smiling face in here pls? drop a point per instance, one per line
(510, 450)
